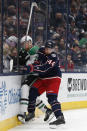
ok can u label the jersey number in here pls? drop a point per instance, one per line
(51, 62)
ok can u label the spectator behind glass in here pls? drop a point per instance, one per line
(72, 25)
(84, 54)
(56, 49)
(11, 10)
(76, 55)
(10, 27)
(62, 46)
(25, 6)
(14, 58)
(6, 58)
(56, 38)
(70, 64)
(83, 41)
(73, 36)
(59, 19)
(12, 16)
(60, 6)
(81, 18)
(61, 31)
(74, 10)
(12, 41)
(11, 2)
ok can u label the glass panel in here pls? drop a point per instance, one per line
(39, 23)
(63, 21)
(58, 28)
(1, 34)
(33, 29)
(69, 27)
(16, 21)
(10, 34)
(77, 36)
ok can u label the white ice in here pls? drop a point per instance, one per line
(76, 120)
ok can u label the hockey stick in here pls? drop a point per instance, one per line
(34, 4)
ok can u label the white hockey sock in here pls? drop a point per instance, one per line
(41, 105)
(24, 99)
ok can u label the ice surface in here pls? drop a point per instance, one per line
(76, 120)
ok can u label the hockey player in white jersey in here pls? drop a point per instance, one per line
(27, 56)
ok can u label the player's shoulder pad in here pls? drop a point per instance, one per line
(53, 56)
(33, 50)
(41, 49)
(21, 51)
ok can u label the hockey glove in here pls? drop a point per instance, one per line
(29, 68)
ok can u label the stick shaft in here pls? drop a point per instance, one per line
(28, 27)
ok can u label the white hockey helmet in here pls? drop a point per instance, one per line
(12, 40)
(25, 38)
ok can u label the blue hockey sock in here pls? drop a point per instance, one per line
(55, 105)
(33, 94)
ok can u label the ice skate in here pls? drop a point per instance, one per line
(58, 121)
(21, 117)
(30, 116)
(48, 115)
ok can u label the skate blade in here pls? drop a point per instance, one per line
(21, 119)
(33, 119)
(62, 126)
(52, 126)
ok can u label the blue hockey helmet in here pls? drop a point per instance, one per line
(49, 44)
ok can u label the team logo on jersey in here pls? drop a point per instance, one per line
(53, 55)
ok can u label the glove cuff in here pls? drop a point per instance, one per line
(31, 67)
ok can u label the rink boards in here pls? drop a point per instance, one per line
(72, 95)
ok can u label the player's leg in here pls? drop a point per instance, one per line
(56, 108)
(53, 86)
(23, 103)
(26, 85)
(33, 94)
(40, 104)
(35, 91)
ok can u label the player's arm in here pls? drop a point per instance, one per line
(42, 69)
(23, 57)
(49, 65)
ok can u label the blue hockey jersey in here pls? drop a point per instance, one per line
(48, 65)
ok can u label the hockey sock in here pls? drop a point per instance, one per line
(55, 105)
(41, 105)
(33, 94)
(24, 98)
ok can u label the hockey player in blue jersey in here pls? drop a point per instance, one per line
(49, 81)
(27, 56)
